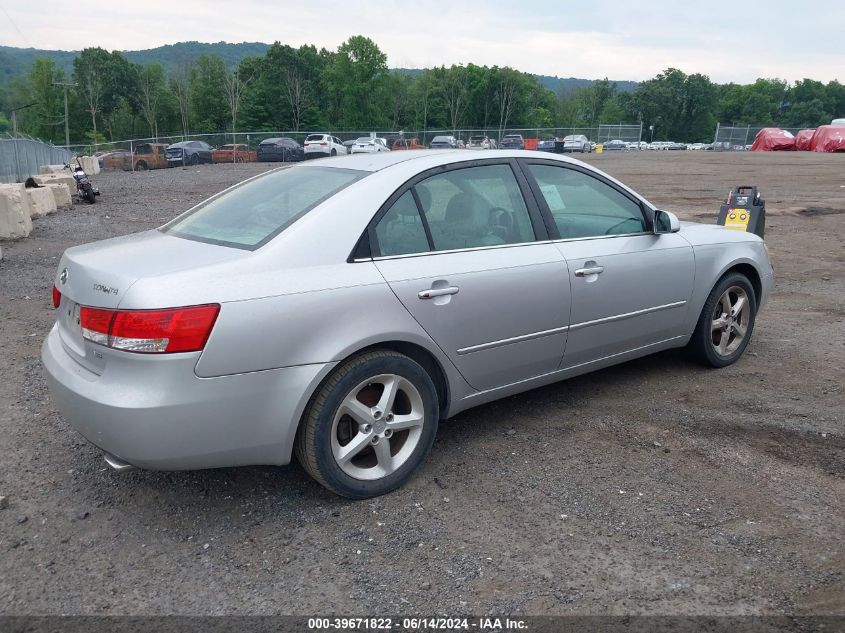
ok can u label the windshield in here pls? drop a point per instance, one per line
(313, 137)
(364, 139)
(252, 213)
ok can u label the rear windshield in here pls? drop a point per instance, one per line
(314, 137)
(254, 212)
(477, 138)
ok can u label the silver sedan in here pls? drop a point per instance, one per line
(338, 309)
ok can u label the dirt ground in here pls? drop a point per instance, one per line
(655, 487)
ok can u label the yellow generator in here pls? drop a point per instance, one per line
(744, 210)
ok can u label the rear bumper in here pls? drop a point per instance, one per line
(155, 413)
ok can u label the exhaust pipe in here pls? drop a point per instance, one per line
(118, 464)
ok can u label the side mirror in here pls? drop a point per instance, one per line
(666, 222)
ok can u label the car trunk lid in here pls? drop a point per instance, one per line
(100, 274)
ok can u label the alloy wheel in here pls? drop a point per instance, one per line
(377, 427)
(730, 320)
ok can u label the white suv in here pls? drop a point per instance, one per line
(320, 145)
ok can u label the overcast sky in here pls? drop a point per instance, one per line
(729, 41)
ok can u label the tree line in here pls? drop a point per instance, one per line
(351, 88)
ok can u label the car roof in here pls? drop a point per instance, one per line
(430, 158)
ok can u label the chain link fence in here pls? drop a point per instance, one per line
(21, 156)
(620, 132)
(630, 133)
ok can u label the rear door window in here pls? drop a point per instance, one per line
(401, 231)
(474, 207)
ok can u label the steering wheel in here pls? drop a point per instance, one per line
(612, 229)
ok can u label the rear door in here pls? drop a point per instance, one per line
(630, 287)
(466, 253)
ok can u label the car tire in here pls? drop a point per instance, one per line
(726, 322)
(141, 165)
(376, 456)
(334, 152)
(194, 160)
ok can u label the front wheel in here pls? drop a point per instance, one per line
(334, 152)
(726, 322)
(370, 425)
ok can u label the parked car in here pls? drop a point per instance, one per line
(283, 149)
(481, 142)
(546, 145)
(233, 153)
(322, 145)
(615, 145)
(117, 157)
(575, 143)
(145, 156)
(719, 146)
(369, 145)
(677, 146)
(406, 143)
(512, 141)
(188, 153)
(696, 147)
(312, 311)
(444, 142)
(348, 144)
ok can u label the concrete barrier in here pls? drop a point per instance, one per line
(41, 201)
(61, 194)
(51, 169)
(64, 178)
(90, 165)
(15, 221)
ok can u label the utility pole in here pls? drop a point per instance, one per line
(65, 85)
(15, 134)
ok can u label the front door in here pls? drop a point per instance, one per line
(629, 286)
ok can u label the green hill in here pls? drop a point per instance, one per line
(17, 61)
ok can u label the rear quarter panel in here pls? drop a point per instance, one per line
(310, 326)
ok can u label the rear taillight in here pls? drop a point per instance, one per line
(150, 331)
(323, 144)
(57, 297)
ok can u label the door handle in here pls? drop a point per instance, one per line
(593, 270)
(437, 292)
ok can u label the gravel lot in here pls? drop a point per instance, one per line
(654, 487)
